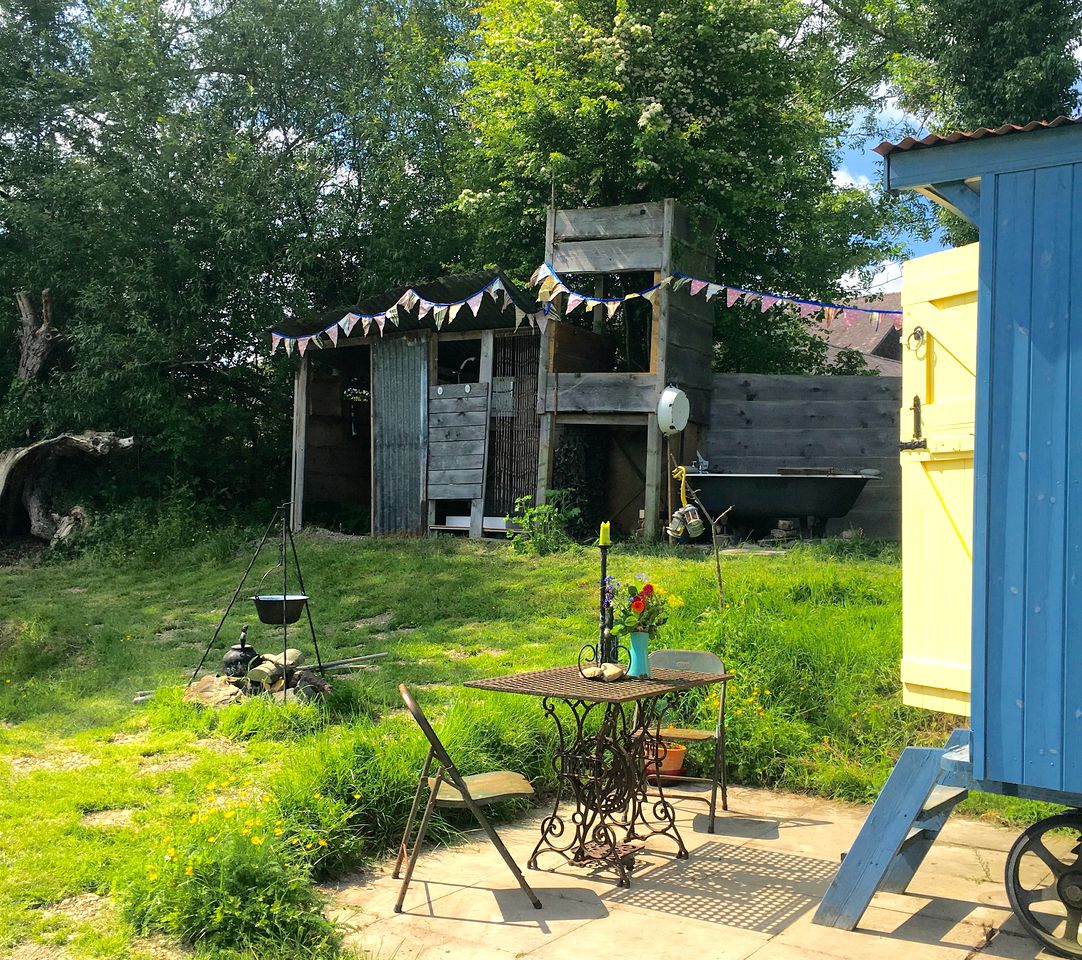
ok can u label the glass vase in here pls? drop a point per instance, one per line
(640, 662)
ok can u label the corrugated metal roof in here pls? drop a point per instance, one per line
(960, 136)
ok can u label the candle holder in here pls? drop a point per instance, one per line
(607, 649)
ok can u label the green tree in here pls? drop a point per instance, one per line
(733, 107)
(183, 177)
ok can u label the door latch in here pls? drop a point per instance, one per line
(917, 443)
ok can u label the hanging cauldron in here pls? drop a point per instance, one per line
(270, 607)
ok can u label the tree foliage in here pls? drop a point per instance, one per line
(183, 177)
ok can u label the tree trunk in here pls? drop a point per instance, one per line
(36, 338)
(27, 478)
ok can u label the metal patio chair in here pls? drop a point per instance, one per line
(699, 661)
(450, 789)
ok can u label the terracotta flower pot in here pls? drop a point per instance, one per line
(672, 761)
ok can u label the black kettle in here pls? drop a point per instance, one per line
(239, 656)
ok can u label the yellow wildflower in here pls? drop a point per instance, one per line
(278, 823)
(246, 832)
(170, 853)
(193, 818)
(323, 843)
(211, 787)
(317, 795)
(212, 839)
(188, 870)
(277, 831)
(257, 841)
(356, 796)
(766, 693)
(295, 841)
(228, 814)
(308, 846)
(675, 601)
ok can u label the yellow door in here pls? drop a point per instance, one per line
(939, 339)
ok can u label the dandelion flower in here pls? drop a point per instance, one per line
(211, 787)
(295, 841)
(193, 818)
(308, 846)
(323, 843)
(212, 839)
(228, 814)
(317, 796)
(277, 831)
(170, 853)
(356, 796)
(766, 693)
(257, 841)
(278, 823)
(188, 871)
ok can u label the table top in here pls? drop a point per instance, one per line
(566, 683)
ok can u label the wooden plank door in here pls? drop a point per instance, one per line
(939, 297)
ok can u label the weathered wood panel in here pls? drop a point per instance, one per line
(476, 431)
(607, 256)
(759, 423)
(458, 418)
(605, 393)
(471, 404)
(456, 449)
(629, 220)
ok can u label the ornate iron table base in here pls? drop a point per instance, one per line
(602, 771)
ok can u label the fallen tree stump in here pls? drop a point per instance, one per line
(28, 477)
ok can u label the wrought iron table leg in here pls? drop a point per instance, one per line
(646, 735)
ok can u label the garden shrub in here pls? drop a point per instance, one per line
(234, 877)
(542, 529)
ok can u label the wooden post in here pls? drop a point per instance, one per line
(477, 508)
(433, 368)
(547, 431)
(300, 430)
(426, 370)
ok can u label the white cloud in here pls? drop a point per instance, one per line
(888, 279)
(844, 178)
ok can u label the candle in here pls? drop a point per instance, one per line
(603, 539)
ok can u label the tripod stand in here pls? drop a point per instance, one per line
(268, 608)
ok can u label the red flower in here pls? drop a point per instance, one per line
(648, 590)
(638, 605)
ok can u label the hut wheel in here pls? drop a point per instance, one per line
(1044, 882)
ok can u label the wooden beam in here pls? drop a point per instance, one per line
(300, 425)
(604, 393)
(957, 197)
(477, 508)
(547, 428)
(653, 478)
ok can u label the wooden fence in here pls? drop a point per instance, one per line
(761, 422)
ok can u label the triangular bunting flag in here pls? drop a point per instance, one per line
(289, 346)
(877, 318)
(407, 300)
(807, 309)
(439, 314)
(366, 325)
(475, 301)
(541, 319)
(612, 306)
(712, 290)
(544, 292)
(381, 320)
(275, 340)
(574, 300)
(666, 281)
(332, 332)
(496, 287)
(731, 296)
(424, 310)
(697, 286)
(302, 345)
(653, 296)
(392, 315)
(767, 303)
(452, 311)
(348, 322)
(539, 274)
(849, 316)
(898, 321)
(520, 315)
(830, 314)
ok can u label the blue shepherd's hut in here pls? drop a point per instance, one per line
(1021, 186)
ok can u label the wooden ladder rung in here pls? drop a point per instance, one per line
(940, 800)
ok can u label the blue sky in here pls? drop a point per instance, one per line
(861, 165)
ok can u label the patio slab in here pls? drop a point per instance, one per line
(748, 890)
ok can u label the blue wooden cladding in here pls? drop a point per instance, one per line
(1027, 559)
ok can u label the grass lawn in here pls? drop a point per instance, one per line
(216, 825)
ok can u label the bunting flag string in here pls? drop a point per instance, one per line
(441, 313)
(551, 285)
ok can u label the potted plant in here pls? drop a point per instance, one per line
(640, 615)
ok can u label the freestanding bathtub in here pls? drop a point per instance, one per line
(758, 499)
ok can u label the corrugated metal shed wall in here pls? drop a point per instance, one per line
(399, 428)
(1027, 611)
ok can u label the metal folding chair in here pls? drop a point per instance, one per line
(699, 661)
(448, 788)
